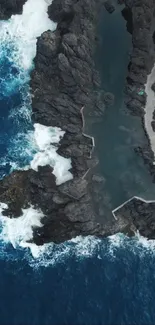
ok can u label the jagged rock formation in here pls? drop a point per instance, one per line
(10, 7)
(140, 16)
(143, 54)
(140, 215)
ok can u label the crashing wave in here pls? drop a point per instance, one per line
(18, 38)
(19, 231)
(45, 137)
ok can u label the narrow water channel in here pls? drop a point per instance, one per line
(118, 133)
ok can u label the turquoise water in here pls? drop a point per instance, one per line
(118, 133)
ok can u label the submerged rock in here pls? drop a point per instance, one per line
(108, 99)
(109, 6)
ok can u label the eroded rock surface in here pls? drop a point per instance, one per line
(140, 215)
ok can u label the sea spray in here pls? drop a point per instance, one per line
(21, 31)
(19, 231)
(20, 34)
(18, 38)
(46, 154)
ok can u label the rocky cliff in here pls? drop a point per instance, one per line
(64, 83)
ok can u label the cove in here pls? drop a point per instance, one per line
(119, 133)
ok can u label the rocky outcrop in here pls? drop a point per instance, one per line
(143, 53)
(10, 7)
(109, 6)
(140, 22)
(66, 208)
(140, 215)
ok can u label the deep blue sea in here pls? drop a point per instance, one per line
(85, 281)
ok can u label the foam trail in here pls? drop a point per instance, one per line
(149, 108)
(45, 137)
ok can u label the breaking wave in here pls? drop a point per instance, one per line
(18, 38)
(24, 145)
(16, 235)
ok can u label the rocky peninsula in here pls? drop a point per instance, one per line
(64, 83)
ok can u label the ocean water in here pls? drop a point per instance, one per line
(85, 281)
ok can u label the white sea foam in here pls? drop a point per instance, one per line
(18, 38)
(45, 137)
(150, 107)
(90, 247)
(78, 248)
(20, 34)
(23, 30)
(18, 231)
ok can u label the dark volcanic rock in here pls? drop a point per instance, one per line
(141, 63)
(140, 215)
(143, 53)
(153, 87)
(64, 77)
(153, 125)
(10, 7)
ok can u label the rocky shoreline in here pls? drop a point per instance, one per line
(63, 84)
(141, 63)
